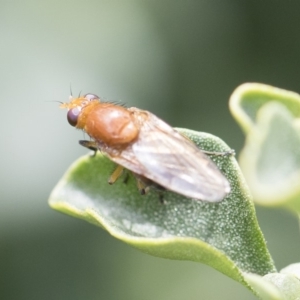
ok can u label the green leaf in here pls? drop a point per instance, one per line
(277, 286)
(270, 159)
(248, 98)
(293, 269)
(224, 235)
(264, 289)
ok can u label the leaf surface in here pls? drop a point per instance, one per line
(224, 235)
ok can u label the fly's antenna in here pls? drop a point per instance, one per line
(55, 101)
(71, 90)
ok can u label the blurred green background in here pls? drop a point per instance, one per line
(179, 59)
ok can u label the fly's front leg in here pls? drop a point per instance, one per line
(94, 147)
(90, 145)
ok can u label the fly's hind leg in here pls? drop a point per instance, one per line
(225, 153)
(90, 145)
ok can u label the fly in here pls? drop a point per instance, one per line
(152, 150)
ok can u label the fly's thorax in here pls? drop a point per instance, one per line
(114, 125)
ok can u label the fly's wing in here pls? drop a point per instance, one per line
(164, 156)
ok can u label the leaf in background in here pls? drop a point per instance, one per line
(270, 159)
(248, 98)
(224, 235)
(281, 286)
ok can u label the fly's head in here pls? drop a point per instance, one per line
(78, 109)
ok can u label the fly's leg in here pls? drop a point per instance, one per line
(115, 175)
(161, 197)
(144, 184)
(90, 145)
(225, 153)
(126, 177)
(142, 187)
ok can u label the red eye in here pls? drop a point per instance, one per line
(91, 97)
(72, 116)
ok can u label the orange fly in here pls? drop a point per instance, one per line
(152, 150)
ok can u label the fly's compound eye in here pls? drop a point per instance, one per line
(91, 97)
(72, 116)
